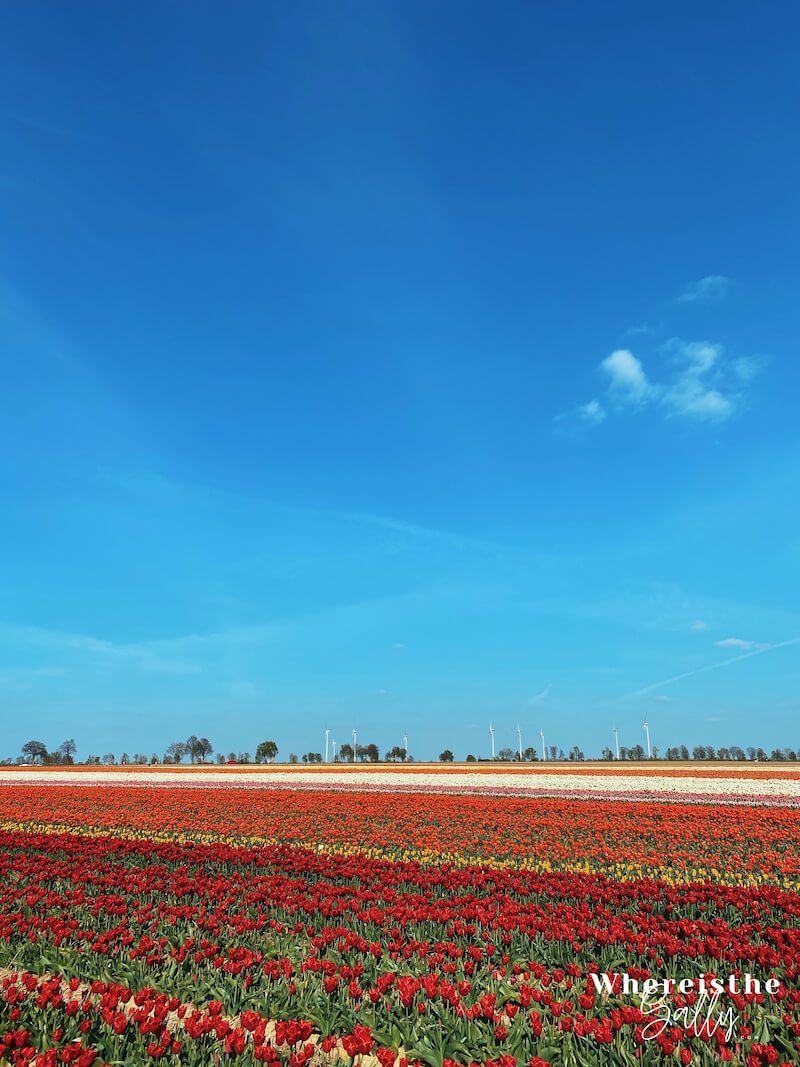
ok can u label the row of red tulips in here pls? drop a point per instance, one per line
(430, 964)
(675, 842)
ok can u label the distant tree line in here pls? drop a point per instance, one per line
(200, 750)
(529, 755)
(704, 753)
(708, 752)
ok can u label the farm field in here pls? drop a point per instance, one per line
(732, 782)
(215, 916)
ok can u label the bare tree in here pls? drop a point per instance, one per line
(67, 750)
(36, 750)
(176, 751)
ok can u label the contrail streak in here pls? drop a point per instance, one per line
(539, 696)
(710, 667)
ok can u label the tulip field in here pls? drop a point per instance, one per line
(219, 919)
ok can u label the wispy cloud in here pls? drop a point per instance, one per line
(697, 357)
(706, 290)
(242, 690)
(28, 330)
(539, 696)
(587, 415)
(422, 533)
(33, 122)
(147, 656)
(695, 391)
(593, 412)
(690, 398)
(741, 644)
(709, 667)
(698, 625)
(643, 329)
(22, 679)
(148, 481)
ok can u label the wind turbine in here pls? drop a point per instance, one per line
(491, 734)
(334, 750)
(327, 735)
(405, 743)
(616, 740)
(646, 725)
(355, 745)
(519, 736)
(541, 737)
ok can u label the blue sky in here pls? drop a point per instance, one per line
(399, 366)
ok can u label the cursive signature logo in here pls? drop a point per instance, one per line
(703, 1018)
(694, 1004)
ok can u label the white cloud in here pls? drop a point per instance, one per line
(628, 380)
(703, 385)
(742, 645)
(698, 624)
(706, 290)
(592, 413)
(691, 398)
(696, 391)
(539, 696)
(398, 644)
(699, 356)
